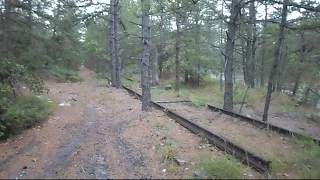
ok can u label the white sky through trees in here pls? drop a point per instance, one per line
(260, 9)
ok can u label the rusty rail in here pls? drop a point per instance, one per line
(262, 124)
(178, 101)
(245, 156)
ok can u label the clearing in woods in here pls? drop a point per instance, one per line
(104, 134)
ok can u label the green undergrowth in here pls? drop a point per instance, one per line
(24, 112)
(64, 75)
(305, 162)
(209, 93)
(225, 167)
(284, 102)
(100, 76)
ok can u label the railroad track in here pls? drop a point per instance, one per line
(245, 156)
(258, 123)
(262, 124)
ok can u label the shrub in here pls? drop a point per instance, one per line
(64, 75)
(25, 112)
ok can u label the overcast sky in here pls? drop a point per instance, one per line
(260, 9)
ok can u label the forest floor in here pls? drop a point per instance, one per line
(292, 119)
(103, 134)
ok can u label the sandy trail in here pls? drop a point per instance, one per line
(103, 134)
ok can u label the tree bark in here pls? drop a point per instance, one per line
(117, 45)
(198, 47)
(6, 43)
(177, 53)
(263, 48)
(298, 76)
(112, 45)
(250, 50)
(229, 57)
(305, 96)
(145, 83)
(222, 57)
(277, 56)
(253, 43)
(155, 79)
(281, 68)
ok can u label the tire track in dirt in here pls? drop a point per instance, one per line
(25, 148)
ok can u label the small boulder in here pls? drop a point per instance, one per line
(315, 116)
(179, 161)
(167, 87)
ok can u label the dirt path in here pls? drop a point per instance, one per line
(103, 134)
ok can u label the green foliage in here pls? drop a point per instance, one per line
(12, 73)
(65, 75)
(220, 168)
(23, 113)
(239, 93)
(198, 103)
(5, 102)
(100, 75)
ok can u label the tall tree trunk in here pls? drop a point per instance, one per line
(281, 68)
(187, 73)
(248, 56)
(30, 22)
(6, 43)
(155, 79)
(117, 45)
(305, 97)
(231, 35)
(263, 48)
(145, 83)
(221, 49)
(244, 60)
(277, 56)
(56, 18)
(198, 46)
(244, 50)
(298, 76)
(112, 45)
(253, 43)
(284, 72)
(250, 50)
(177, 53)
(161, 44)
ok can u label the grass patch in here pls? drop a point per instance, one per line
(283, 102)
(305, 162)
(100, 76)
(160, 125)
(168, 151)
(104, 97)
(209, 92)
(221, 168)
(172, 168)
(239, 93)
